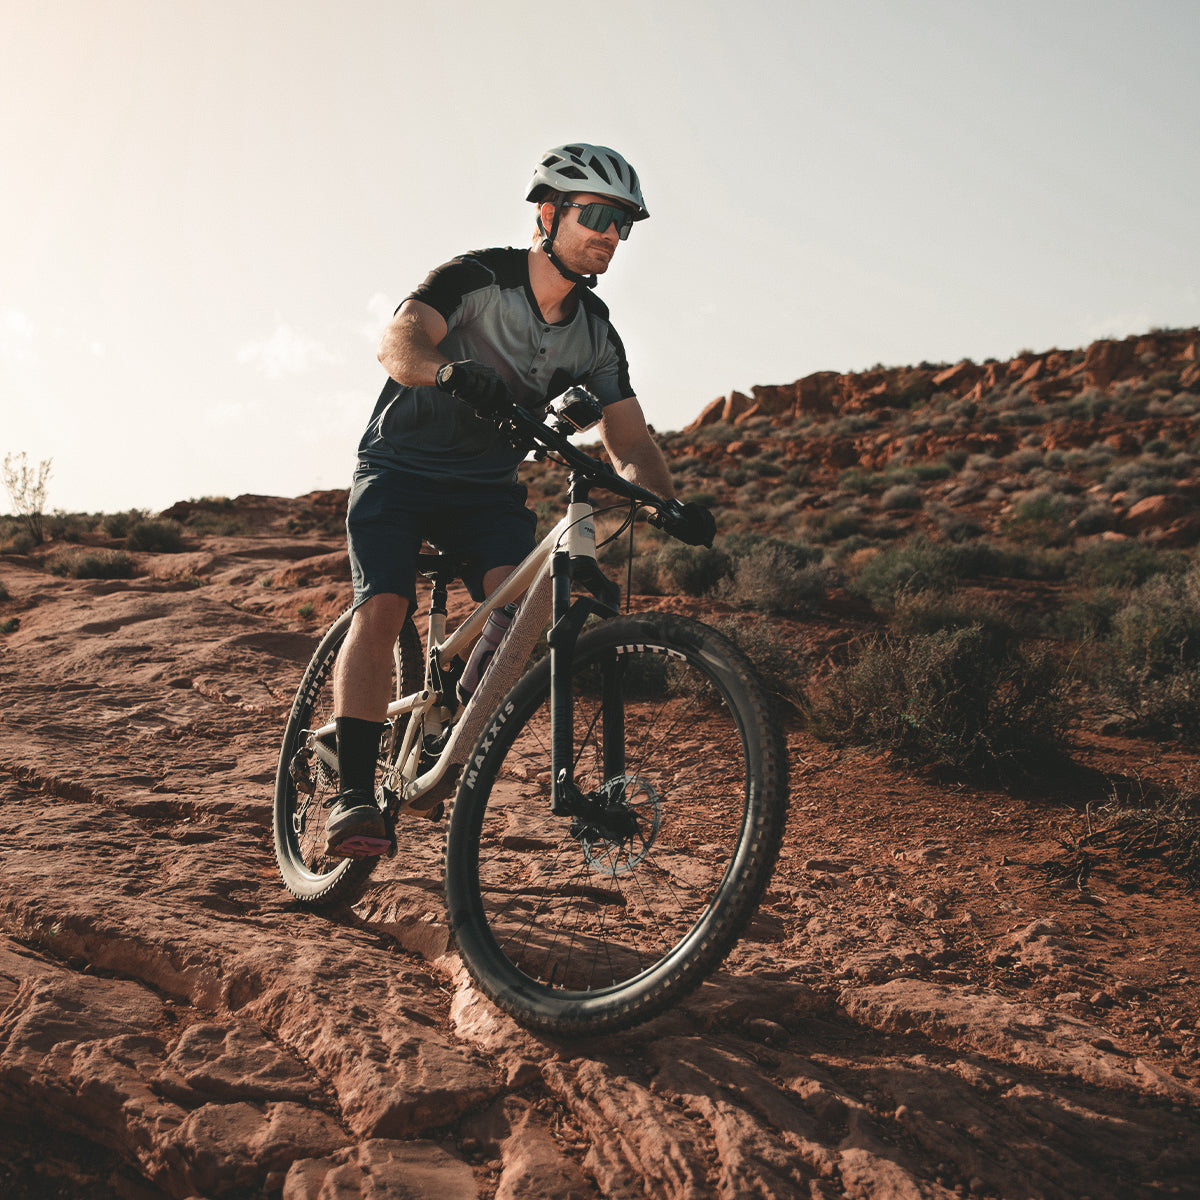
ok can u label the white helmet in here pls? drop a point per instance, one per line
(580, 167)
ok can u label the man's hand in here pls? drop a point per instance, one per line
(475, 384)
(691, 523)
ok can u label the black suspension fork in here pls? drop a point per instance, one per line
(568, 620)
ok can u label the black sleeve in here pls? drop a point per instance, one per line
(445, 286)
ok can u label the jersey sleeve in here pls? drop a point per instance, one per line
(609, 379)
(451, 288)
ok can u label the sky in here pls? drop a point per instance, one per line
(209, 211)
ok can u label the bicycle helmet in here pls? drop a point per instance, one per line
(581, 167)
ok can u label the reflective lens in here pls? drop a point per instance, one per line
(598, 217)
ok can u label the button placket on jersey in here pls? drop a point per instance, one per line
(541, 351)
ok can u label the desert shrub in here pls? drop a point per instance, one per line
(1150, 662)
(92, 564)
(931, 472)
(691, 570)
(1024, 460)
(4, 592)
(61, 526)
(957, 527)
(21, 541)
(982, 462)
(971, 701)
(917, 613)
(641, 574)
(160, 537)
(26, 487)
(1129, 404)
(118, 524)
(1088, 404)
(1086, 618)
(1041, 518)
(901, 496)
(720, 433)
(763, 467)
(917, 565)
(857, 481)
(771, 578)
(1124, 563)
(833, 525)
(1139, 478)
(11, 625)
(1094, 518)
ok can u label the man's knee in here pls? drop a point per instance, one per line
(379, 618)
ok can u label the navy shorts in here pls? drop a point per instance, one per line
(391, 514)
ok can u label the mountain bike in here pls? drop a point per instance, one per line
(618, 807)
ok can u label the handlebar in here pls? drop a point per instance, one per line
(523, 428)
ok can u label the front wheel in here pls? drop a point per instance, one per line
(591, 923)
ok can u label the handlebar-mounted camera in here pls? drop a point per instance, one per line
(575, 411)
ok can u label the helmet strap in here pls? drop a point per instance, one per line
(588, 281)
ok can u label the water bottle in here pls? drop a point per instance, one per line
(491, 637)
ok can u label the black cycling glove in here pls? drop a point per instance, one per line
(475, 384)
(691, 523)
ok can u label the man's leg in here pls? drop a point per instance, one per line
(362, 690)
(495, 577)
(362, 681)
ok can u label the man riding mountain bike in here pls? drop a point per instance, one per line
(484, 331)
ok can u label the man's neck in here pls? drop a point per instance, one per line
(554, 293)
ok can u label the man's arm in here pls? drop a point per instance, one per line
(634, 453)
(409, 349)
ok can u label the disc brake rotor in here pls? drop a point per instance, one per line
(610, 856)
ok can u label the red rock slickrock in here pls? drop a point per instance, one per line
(921, 1007)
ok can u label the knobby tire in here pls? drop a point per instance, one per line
(578, 928)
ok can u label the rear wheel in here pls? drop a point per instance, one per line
(305, 785)
(587, 924)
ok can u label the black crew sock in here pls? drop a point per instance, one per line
(357, 750)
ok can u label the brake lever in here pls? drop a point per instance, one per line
(662, 518)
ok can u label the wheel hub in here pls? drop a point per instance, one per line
(619, 836)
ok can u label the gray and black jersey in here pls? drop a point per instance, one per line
(492, 318)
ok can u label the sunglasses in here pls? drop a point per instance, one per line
(598, 217)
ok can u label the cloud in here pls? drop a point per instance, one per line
(379, 313)
(287, 352)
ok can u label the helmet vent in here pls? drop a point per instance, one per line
(597, 165)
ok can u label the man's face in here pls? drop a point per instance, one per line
(585, 250)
